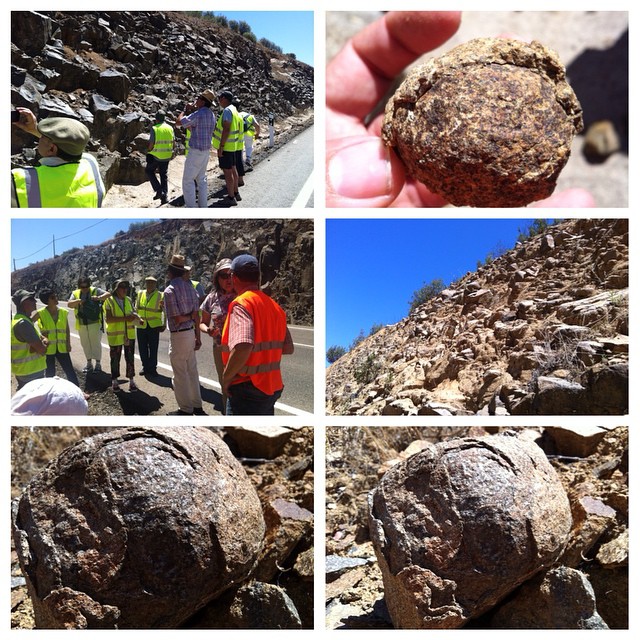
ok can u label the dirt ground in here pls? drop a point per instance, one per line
(357, 457)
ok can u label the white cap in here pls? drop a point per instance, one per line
(49, 397)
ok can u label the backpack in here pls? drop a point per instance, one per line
(90, 311)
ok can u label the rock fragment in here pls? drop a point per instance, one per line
(488, 124)
(461, 524)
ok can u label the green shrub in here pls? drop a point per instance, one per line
(335, 352)
(426, 292)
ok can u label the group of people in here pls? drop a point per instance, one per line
(248, 329)
(67, 176)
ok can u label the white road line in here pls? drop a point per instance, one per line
(305, 193)
(299, 344)
(215, 384)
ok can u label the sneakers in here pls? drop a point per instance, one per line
(199, 411)
(97, 368)
(238, 198)
(132, 385)
(115, 386)
(88, 368)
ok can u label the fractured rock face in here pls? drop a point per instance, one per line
(459, 525)
(488, 124)
(136, 528)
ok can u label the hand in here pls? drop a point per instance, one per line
(220, 151)
(360, 170)
(198, 343)
(27, 121)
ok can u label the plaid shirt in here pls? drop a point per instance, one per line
(202, 123)
(180, 298)
(240, 327)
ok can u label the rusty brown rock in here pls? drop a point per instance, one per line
(488, 124)
(461, 524)
(136, 528)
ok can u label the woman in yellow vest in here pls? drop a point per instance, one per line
(149, 306)
(159, 153)
(120, 326)
(28, 346)
(54, 325)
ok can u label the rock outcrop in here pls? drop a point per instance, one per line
(461, 524)
(113, 70)
(283, 247)
(543, 329)
(136, 528)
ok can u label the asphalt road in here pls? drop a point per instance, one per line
(156, 396)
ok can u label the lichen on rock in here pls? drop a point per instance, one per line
(488, 124)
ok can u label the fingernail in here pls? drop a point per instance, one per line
(361, 170)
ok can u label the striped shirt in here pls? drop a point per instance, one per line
(180, 299)
(202, 123)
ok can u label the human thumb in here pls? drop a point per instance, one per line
(362, 172)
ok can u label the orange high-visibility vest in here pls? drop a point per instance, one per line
(269, 331)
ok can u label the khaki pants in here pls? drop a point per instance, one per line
(186, 381)
(90, 337)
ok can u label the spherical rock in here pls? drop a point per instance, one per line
(461, 524)
(136, 528)
(488, 124)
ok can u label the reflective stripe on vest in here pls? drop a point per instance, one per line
(115, 327)
(269, 331)
(235, 140)
(73, 184)
(25, 362)
(249, 126)
(163, 141)
(76, 296)
(56, 332)
(150, 312)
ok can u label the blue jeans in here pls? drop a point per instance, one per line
(247, 400)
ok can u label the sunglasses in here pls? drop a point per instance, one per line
(224, 274)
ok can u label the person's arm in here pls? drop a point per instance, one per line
(256, 126)
(27, 121)
(152, 140)
(74, 303)
(205, 321)
(226, 128)
(237, 359)
(101, 297)
(288, 347)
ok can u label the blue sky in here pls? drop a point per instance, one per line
(32, 238)
(375, 265)
(290, 30)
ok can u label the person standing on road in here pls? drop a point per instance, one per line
(120, 325)
(227, 139)
(159, 154)
(251, 132)
(196, 284)
(254, 338)
(86, 301)
(149, 306)
(53, 323)
(214, 312)
(202, 124)
(28, 345)
(181, 309)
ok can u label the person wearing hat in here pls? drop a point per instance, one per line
(120, 327)
(86, 303)
(201, 124)
(28, 345)
(196, 284)
(228, 140)
(254, 338)
(214, 312)
(66, 176)
(149, 307)
(53, 323)
(49, 397)
(159, 153)
(181, 310)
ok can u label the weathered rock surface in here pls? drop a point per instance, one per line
(113, 70)
(488, 124)
(461, 524)
(560, 598)
(283, 247)
(136, 528)
(540, 330)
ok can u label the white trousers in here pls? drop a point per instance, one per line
(186, 381)
(195, 172)
(90, 336)
(248, 147)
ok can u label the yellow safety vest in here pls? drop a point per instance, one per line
(115, 328)
(163, 141)
(149, 310)
(235, 141)
(56, 332)
(25, 362)
(73, 184)
(249, 125)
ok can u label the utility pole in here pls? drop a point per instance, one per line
(54, 246)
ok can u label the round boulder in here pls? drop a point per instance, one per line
(136, 528)
(461, 524)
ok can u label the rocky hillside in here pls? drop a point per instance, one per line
(113, 70)
(283, 247)
(543, 329)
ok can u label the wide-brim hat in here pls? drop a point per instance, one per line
(150, 278)
(208, 95)
(221, 265)
(119, 284)
(177, 262)
(66, 133)
(21, 295)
